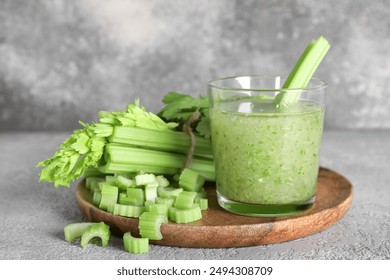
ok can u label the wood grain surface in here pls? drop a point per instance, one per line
(221, 229)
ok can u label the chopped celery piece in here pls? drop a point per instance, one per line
(135, 196)
(203, 203)
(131, 211)
(90, 181)
(131, 159)
(168, 192)
(144, 179)
(110, 178)
(149, 225)
(201, 193)
(190, 180)
(150, 193)
(73, 231)
(185, 215)
(165, 200)
(96, 230)
(109, 195)
(111, 167)
(185, 200)
(163, 140)
(123, 183)
(161, 209)
(303, 71)
(96, 197)
(135, 245)
(162, 181)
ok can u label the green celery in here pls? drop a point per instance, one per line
(203, 203)
(185, 215)
(89, 181)
(162, 181)
(109, 195)
(129, 159)
(123, 183)
(190, 180)
(150, 192)
(144, 179)
(135, 196)
(168, 192)
(96, 198)
(135, 245)
(131, 211)
(149, 225)
(156, 208)
(165, 200)
(185, 200)
(73, 231)
(96, 230)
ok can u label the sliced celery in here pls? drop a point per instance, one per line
(110, 178)
(201, 193)
(90, 181)
(130, 211)
(123, 183)
(190, 180)
(150, 193)
(96, 198)
(144, 179)
(73, 231)
(168, 192)
(185, 200)
(135, 245)
(185, 215)
(109, 196)
(161, 209)
(96, 230)
(149, 225)
(165, 200)
(164, 140)
(162, 181)
(135, 196)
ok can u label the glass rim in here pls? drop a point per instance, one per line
(321, 84)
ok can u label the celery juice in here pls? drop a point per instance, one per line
(266, 157)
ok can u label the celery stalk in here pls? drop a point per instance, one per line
(303, 71)
(164, 140)
(185, 215)
(131, 159)
(96, 230)
(73, 231)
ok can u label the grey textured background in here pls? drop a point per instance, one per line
(62, 61)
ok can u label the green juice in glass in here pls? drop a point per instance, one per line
(266, 159)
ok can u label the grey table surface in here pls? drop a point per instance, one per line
(33, 214)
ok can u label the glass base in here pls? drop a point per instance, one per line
(264, 210)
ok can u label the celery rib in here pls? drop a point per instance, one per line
(164, 140)
(303, 71)
(130, 159)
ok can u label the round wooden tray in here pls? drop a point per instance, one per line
(221, 229)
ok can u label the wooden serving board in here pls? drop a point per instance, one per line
(221, 229)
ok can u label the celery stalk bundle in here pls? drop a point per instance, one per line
(128, 142)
